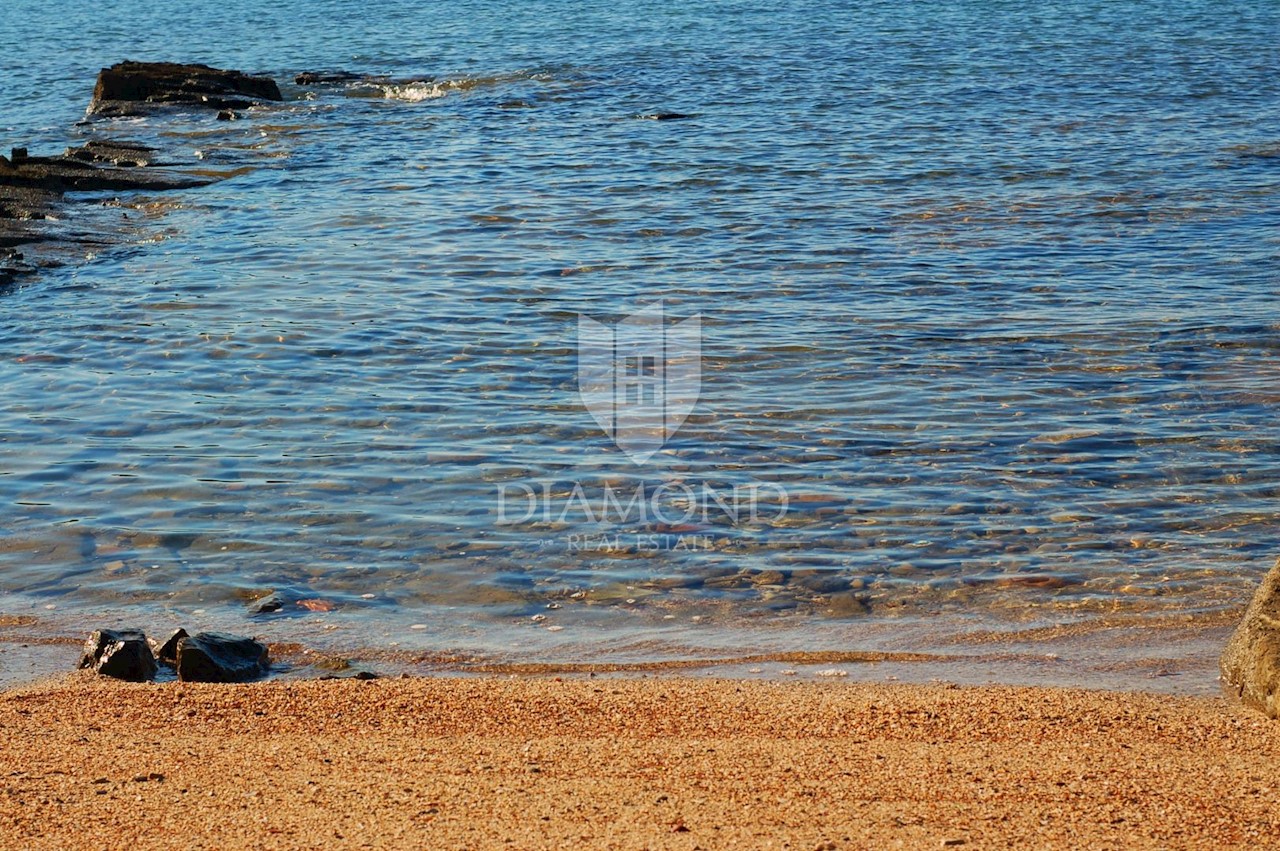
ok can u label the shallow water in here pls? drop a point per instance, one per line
(987, 300)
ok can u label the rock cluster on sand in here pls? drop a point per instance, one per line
(206, 657)
(129, 88)
(1251, 661)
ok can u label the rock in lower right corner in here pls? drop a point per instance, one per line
(215, 657)
(1251, 661)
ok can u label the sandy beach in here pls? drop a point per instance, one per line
(492, 762)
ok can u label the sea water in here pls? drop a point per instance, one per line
(984, 297)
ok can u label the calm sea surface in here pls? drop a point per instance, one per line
(988, 300)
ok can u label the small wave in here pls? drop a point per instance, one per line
(414, 92)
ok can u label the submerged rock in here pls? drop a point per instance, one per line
(266, 605)
(120, 653)
(342, 669)
(75, 171)
(33, 188)
(130, 88)
(320, 78)
(351, 674)
(1251, 661)
(215, 657)
(123, 154)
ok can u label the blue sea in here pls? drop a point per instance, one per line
(986, 362)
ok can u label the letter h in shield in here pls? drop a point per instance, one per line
(640, 378)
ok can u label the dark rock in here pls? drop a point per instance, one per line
(120, 653)
(215, 657)
(823, 583)
(32, 189)
(350, 674)
(69, 173)
(335, 668)
(12, 265)
(130, 88)
(123, 154)
(227, 115)
(167, 651)
(1250, 662)
(266, 605)
(319, 78)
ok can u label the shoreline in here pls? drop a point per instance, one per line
(628, 763)
(1166, 654)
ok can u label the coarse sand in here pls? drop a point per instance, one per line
(636, 762)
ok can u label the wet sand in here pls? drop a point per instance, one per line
(628, 763)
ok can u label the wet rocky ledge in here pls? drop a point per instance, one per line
(36, 190)
(39, 192)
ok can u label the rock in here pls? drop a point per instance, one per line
(120, 653)
(1250, 663)
(167, 651)
(266, 605)
(823, 583)
(227, 115)
(350, 674)
(32, 190)
(215, 657)
(319, 78)
(131, 88)
(337, 668)
(122, 154)
(71, 172)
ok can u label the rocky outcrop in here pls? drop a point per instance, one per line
(1251, 661)
(132, 88)
(215, 657)
(125, 154)
(32, 190)
(76, 171)
(120, 653)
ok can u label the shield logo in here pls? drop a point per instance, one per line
(640, 378)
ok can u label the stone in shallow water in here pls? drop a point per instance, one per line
(216, 657)
(120, 653)
(1251, 661)
(266, 605)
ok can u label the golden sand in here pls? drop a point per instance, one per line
(628, 763)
